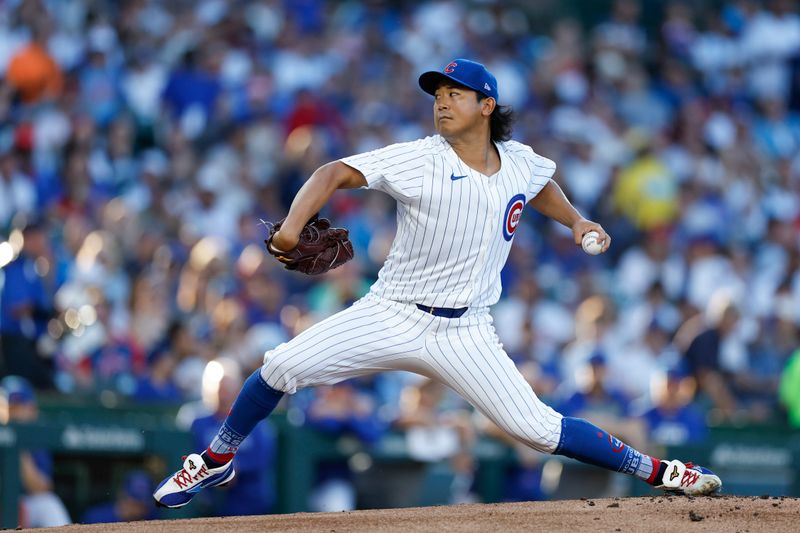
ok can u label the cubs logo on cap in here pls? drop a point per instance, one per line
(464, 72)
(513, 215)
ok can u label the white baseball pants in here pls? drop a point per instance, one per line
(377, 335)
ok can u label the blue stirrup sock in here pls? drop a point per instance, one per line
(255, 402)
(588, 443)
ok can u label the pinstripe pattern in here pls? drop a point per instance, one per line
(376, 335)
(449, 248)
(484, 374)
(370, 336)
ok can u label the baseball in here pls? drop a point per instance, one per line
(590, 243)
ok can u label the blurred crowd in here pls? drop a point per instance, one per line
(144, 142)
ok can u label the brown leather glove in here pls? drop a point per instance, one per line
(319, 249)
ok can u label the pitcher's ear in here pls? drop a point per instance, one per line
(488, 105)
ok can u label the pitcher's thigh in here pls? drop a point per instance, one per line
(471, 362)
(365, 338)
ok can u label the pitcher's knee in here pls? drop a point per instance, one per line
(542, 435)
(280, 372)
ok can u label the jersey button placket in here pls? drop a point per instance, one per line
(493, 221)
(487, 227)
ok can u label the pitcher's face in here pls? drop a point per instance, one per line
(457, 110)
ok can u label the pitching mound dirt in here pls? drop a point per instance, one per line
(652, 514)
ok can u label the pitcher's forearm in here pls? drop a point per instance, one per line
(312, 196)
(552, 203)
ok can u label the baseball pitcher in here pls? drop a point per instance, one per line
(460, 194)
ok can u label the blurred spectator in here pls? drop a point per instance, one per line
(643, 363)
(790, 389)
(310, 111)
(99, 87)
(149, 310)
(595, 333)
(595, 401)
(32, 71)
(191, 358)
(648, 266)
(26, 305)
(133, 502)
(526, 309)
(252, 491)
(339, 289)
(777, 132)
(646, 192)
(621, 32)
(652, 310)
(17, 190)
(158, 385)
(709, 271)
(674, 420)
(586, 175)
(39, 506)
(601, 405)
(113, 359)
(769, 38)
(191, 92)
(768, 353)
(704, 355)
(347, 409)
(438, 427)
(142, 86)
(524, 479)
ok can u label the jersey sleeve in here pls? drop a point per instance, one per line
(396, 169)
(537, 170)
(542, 170)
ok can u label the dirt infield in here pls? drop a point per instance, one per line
(660, 513)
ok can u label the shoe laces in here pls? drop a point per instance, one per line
(690, 476)
(182, 478)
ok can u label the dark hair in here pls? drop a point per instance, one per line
(501, 122)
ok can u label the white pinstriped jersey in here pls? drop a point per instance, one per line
(455, 226)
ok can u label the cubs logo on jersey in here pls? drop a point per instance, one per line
(513, 215)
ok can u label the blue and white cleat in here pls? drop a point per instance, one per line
(689, 479)
(178, 489)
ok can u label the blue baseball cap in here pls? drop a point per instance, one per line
(18, 390)
(464, 72)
